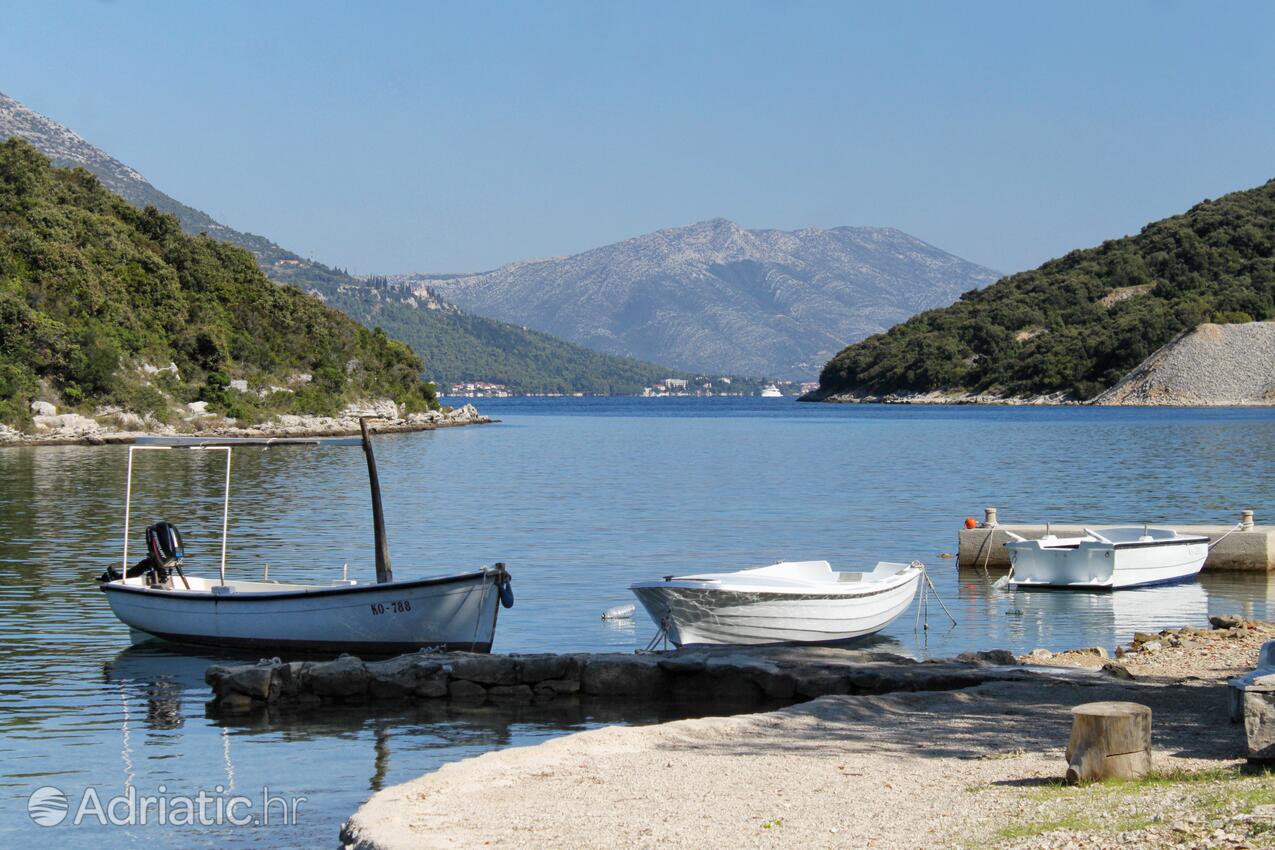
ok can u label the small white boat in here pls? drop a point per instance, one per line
(156, 599)
(771, 391)
(1106, 560)
(787, 602)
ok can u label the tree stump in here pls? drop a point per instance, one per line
(1109, 740)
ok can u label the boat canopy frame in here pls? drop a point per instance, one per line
(384, 572)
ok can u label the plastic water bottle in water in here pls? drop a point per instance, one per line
(619, 612)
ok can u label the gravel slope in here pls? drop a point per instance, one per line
(1212, 365)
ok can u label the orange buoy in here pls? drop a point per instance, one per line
(970, 522)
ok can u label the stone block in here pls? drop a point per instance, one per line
(345, 677)
(510, 693)
(485, 669)
(252, 682)
(623, 675)
(1259, 723)
(540, 668)
(432, 686)
(463, 689)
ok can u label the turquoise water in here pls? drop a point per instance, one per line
(579, 497)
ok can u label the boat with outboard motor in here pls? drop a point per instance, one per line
(157, 599)
(786, 602)
(1109, 559)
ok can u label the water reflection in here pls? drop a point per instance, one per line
(581, 498)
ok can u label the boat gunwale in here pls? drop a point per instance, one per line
(274, 596)
(1128, 544)
(817, 593)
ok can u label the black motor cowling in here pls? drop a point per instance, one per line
(164, 545)
(164, 551)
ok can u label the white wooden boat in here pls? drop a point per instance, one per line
(156, 599)
(787, 602)
(1113, 558)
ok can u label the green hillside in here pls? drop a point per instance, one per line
(1077, 324)
(93, 289)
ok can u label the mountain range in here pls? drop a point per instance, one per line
(712, 298)
(456, 347)
(717, 297)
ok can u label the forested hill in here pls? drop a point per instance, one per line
(95, 295)
(1079, 323)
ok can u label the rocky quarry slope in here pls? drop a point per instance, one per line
(1213, 365)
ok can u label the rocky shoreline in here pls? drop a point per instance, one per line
(114, 427)
(939, 397)
(908, 768)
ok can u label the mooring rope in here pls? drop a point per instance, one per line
(923, 602)
(1239, 526)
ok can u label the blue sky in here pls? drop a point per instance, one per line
(422, 136)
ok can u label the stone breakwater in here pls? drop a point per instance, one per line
(111, 426)
(736, 674)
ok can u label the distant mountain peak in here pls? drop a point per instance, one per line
(714, 296)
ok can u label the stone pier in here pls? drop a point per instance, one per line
(740, 675)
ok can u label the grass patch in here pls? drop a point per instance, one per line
(1205, 798)
(1074, 822)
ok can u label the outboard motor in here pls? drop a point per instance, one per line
(164, 543)
(164, 552)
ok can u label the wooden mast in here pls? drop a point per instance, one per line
(383, 571)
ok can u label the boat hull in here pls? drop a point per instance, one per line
(451, 613)
(1099, 566)
(712, 616)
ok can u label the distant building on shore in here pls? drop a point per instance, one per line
(479, 389)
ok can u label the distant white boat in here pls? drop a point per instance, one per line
(156, 599)
(787, 602)
(771, 391)
(1106, 560)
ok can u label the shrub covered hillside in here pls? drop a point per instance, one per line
(1077, 324)
(95, 294)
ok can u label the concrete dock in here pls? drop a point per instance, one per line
(1250, 549)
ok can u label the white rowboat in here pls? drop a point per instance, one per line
(1106, 560)
(787, 602)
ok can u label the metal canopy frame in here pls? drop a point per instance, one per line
(128, 497)
(384, 572)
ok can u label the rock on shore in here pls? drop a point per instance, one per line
(112, 425)
(1213, 365)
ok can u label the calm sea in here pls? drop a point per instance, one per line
(579, 497)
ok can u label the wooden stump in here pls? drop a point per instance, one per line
(1109, 740)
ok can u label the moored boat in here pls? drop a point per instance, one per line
(787, 602)
(1110, 559)
(156, 599)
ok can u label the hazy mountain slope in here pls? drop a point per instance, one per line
(716, 297)
(67, 149)
(460, 347)
(455, 346)
(1080, 323)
